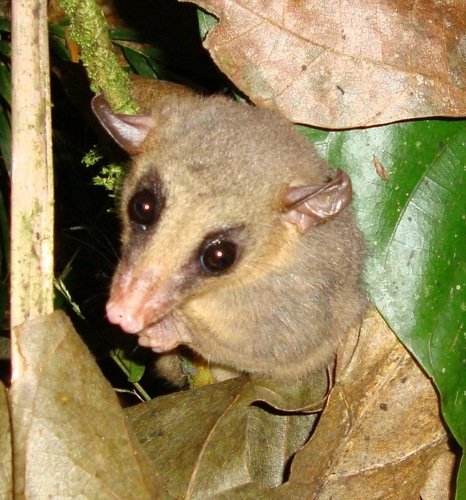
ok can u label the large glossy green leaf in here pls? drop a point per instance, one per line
(415, 226)
(461, 481)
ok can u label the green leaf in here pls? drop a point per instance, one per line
(5, 48)
(57, 30)
(206, 22)
(5, 83)
(5, 25)
(415, 228)
(461, 481)
(134, 368)
(139, 62)
(60, 49)
(4, 262)
(5, 139)
(126, 34)
(156, 54)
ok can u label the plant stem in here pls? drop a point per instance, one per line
(32, 194)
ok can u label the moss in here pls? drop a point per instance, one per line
(89, 30)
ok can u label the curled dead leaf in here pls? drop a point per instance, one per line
(381, 431)
(221, 438)
(380, 434)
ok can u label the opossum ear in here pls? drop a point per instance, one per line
(307, 206)
(128, 131)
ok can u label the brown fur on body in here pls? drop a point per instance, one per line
(225, 168)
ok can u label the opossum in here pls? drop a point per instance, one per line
(237, 238)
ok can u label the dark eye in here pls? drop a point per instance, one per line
(143, 208)
(217, 256)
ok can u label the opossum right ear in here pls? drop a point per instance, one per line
(307, 206)
(128, 131)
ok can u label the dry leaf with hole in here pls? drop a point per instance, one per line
(381, 431)
(344, 64)
(71, 438)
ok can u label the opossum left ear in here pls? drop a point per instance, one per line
(128, 131)
(307, 206)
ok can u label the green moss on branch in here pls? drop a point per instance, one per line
(89, 30)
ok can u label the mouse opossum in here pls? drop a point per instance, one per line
(236, 238)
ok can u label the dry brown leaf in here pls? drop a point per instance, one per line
(344, 64)
(6, 486)
(380, 435)
(71, 438)
(441, 478)
(219, 440)
(381, 431)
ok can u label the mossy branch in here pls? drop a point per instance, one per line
(89, 30)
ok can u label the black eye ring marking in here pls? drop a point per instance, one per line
(218, 255)
(145, 206)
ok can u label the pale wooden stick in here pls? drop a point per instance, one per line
(32, 195)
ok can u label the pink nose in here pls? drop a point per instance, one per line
(124, 316)
(139, 299)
